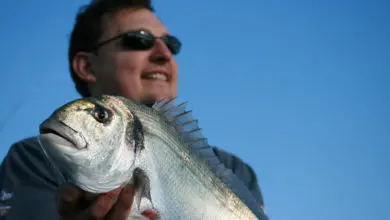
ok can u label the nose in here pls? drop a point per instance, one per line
(160, 52)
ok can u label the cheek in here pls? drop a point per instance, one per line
(175, 75)
(129, 67)
(130, 64)
(105, 69)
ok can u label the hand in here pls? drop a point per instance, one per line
(114, 205)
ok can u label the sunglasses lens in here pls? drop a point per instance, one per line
(145, 41)
(173, 44)
(137, 42)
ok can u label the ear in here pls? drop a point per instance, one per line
(83, 68)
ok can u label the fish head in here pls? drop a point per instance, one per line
(91, 138)
(91, 124)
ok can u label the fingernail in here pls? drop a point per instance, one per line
(150, 214)
(113, 193)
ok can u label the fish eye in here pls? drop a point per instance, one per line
(100, 114)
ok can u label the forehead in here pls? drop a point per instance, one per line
(133, 19)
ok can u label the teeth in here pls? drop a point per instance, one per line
(157, 76)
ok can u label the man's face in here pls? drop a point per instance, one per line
(128, 72)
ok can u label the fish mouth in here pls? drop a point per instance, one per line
(60, 132)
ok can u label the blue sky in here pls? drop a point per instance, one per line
(297, 89)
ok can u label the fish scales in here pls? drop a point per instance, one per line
(186, 180)
(186, 161)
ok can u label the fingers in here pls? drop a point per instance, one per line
(122, 208)
(73, 204)
(104, 203)
(150, 214)
(68, 199)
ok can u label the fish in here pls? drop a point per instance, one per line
(104, 142)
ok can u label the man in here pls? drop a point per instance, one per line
(113, 50)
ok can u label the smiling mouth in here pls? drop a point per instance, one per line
(156, 76)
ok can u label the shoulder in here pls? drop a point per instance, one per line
(243, 171)
(26, 163)
(26, 173)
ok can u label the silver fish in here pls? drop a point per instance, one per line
(102, 143)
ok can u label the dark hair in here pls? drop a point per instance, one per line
(88, 30)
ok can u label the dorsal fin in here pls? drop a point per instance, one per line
(190, 132)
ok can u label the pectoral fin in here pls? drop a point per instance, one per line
(141, 184)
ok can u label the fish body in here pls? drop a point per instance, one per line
(102, 143)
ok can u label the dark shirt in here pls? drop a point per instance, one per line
(26, 172)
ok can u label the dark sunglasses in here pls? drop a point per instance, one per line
(143, 40)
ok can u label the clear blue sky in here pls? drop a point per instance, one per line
(298, 89)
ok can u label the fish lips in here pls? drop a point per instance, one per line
(62, 132)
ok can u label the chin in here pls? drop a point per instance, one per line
(157, 95)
